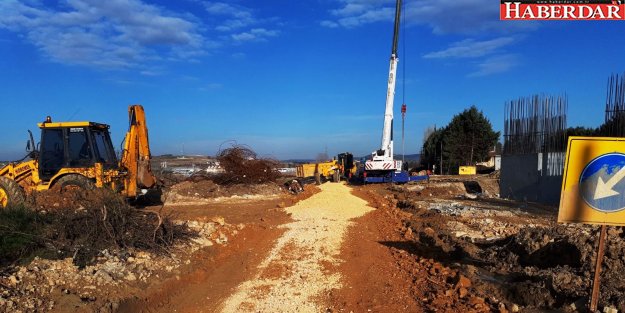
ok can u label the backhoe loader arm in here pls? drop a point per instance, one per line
(136, 155)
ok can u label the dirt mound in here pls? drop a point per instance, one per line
(555, 265)
(489, 185)
(533, 266)
(200, 189)
(69, 199)
(442, 189)
(514, 252)
(208, 190)
(412, 282)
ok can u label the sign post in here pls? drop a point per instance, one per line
(596, 282)
(593, 190)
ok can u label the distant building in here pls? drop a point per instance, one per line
(494, 162)
(287, 170)
(185, 170)
(213, 167)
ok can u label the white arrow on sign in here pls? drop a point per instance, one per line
(604, 189)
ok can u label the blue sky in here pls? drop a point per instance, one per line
(288, 78)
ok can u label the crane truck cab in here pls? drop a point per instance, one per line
(81, 154)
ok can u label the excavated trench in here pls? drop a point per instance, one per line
(542, 265)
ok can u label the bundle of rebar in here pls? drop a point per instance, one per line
(535, 124)
(614, 125)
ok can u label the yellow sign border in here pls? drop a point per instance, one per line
(581, 151)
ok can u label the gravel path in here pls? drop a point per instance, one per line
(293, 276)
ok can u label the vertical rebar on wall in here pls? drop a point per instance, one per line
(535, 124)
(614, 125)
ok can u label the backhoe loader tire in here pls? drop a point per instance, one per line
(75, 180)
(13, 191)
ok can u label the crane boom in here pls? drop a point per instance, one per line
(382, 159)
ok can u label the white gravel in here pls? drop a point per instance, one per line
(292, 277)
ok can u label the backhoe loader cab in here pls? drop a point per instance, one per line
(74, 145)
(81, 154)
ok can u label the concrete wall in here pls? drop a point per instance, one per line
(532, 177)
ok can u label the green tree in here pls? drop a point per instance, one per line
(467, 139)
(431, 151)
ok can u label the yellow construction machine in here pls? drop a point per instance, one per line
(81, 155)
(341, 167)
(329, 169)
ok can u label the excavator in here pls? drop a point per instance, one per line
(81, 155)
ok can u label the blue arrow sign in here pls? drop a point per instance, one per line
(602, 183)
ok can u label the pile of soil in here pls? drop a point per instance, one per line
(68, 199)
(207, 189)
(552, 267)
(391, 275)
(447, 187)
(517, 254)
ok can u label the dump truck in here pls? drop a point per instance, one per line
(329, 169)
(81, 155)
(341, 167)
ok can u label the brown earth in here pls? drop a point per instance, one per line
(214, 272)
(450, 245)
(207, 189)
(384, 275)
(515, 254)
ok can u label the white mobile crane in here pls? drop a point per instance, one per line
(383, 167)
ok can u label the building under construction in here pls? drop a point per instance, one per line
(535, 130)
(533, 152)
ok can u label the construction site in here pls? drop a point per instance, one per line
(526, 219)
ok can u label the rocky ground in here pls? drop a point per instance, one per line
(448, 245)
(61, 286)
(515, 254)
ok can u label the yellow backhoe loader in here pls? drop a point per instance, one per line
(81, 155)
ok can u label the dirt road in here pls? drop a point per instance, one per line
(342, 249)
(298, 271)
(430, 247)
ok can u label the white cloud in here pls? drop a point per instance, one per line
(150, 73)
(104, 34)
(443, 16)
(329, 24)
(237, 16)
(222, 8)
(123, 34)
(354, 13)
(495, 65)
(255, 34)
(470, 48)
(240, 22)
(370, 16)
